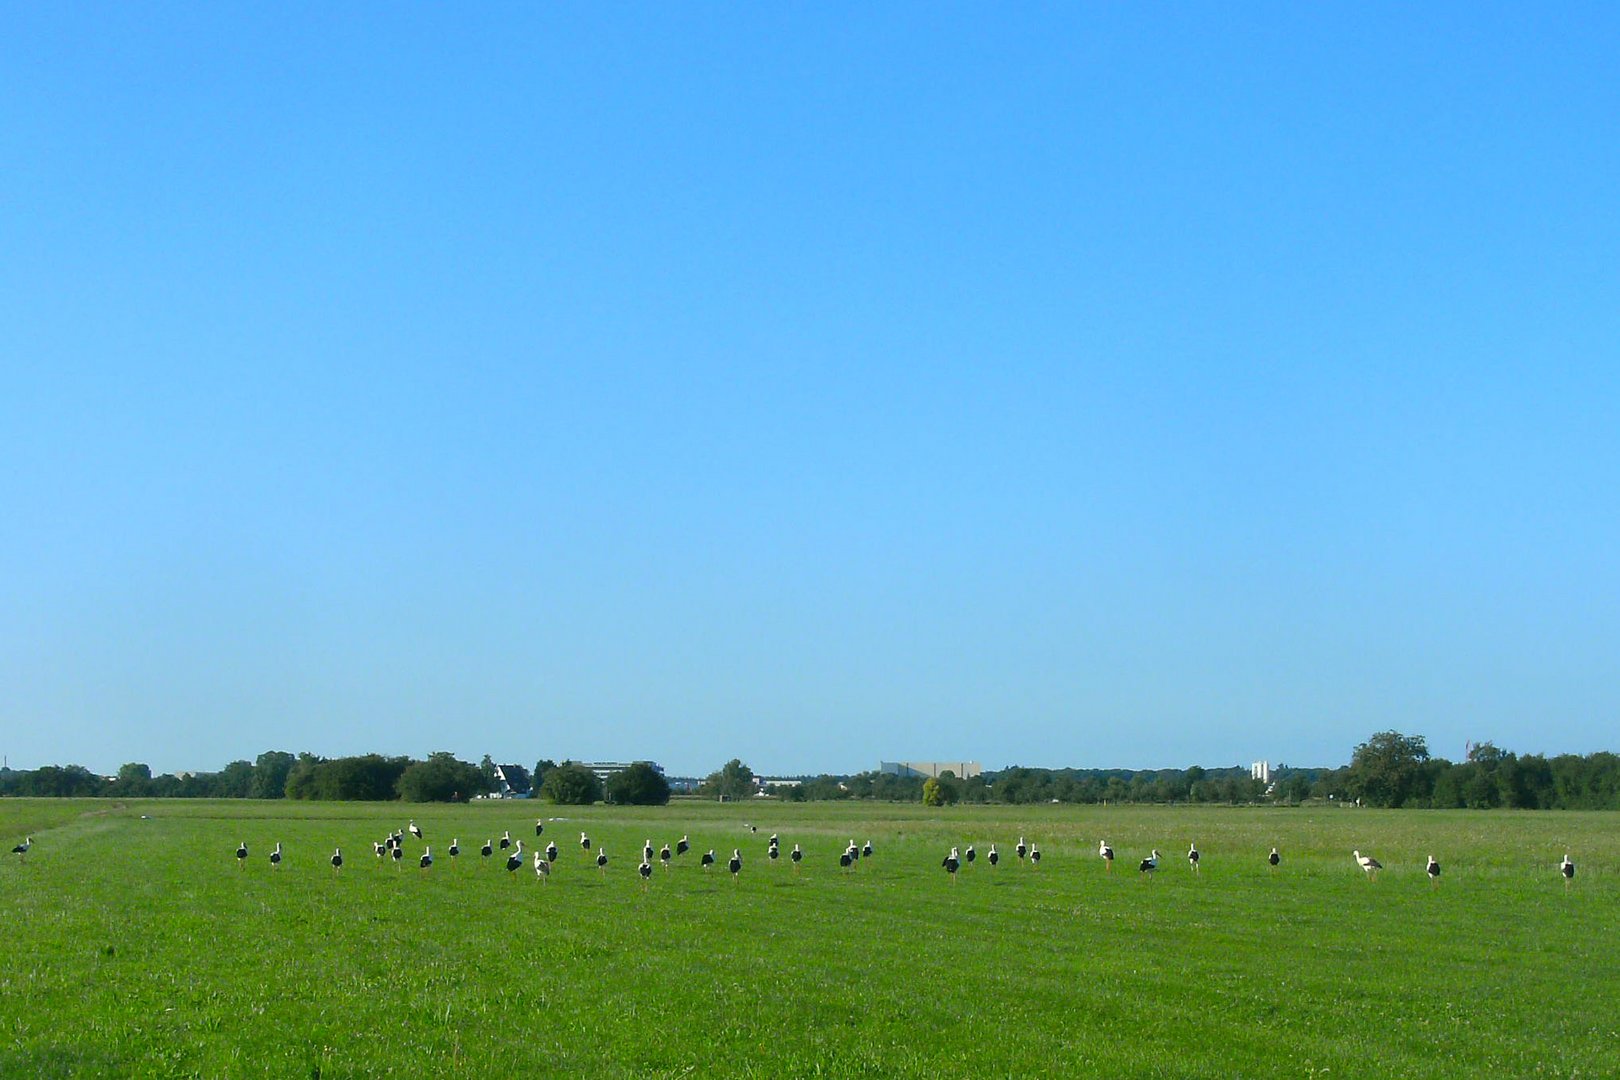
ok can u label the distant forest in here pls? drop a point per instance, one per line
(1389, 769)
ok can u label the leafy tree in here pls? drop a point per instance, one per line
(638, 785)
(571, 784)
(734, 780)
(270, 774)
(134, 780)
(441, 778)
(541, 767)
(1387, 769)
(301, 777)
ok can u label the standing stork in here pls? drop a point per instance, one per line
(1567, 868)
(774, 853)
(708, 859)
(664, 855)
(1149, 864)
(1368, 864)
(584, 842)
(551, 851)
(1273, 859)
(994, 856)
(455, 849)
(1192, 857)
(952, 863)
(866, 850)
(601, 861)
(735, 865)
(515, 860)
(1433, 870)
(488, 849)
(241, 855)
(542, 867)
(506, 839)
(399, 855)
(844, 860)
(1107, 854)
(275, 857)
(381, 849)
(539, 826)
(647, 850)
(797, 856)
(1022, 850)
(337, 860)
(682, 846)
(415, 831)
(425, 863)
(1034, 857)
(645, 870)
(772, 842)
(21, 850)
(969, 855)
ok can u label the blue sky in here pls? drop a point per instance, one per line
(1065, 386)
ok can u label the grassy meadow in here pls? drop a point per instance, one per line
(135, 946)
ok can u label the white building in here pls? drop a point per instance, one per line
(1261, 771)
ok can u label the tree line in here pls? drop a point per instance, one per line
(1389, 769)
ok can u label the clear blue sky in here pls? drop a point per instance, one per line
(1079, 385)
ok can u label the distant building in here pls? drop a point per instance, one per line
(964, 770)
(1261, 771)
(512, 782)
(766, 783)
(606, 769)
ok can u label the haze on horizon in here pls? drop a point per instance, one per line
(1096, 388)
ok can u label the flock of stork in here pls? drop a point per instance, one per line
(392, 848)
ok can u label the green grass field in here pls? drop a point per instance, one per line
(135, 946)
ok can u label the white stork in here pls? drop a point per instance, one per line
(774, 852)
(506, 839)
(1433, 870)
(708, 859)
(994, 856)
(1567, 868)
(952, 863)
(601, 861)
(542, 867)
(1273, 859)
(969, 855)
(426, 861)
(551, 851)
(866, 850)
(1034, 857)
(1149, 864)
(455, 847)
(584, 842)
(647, 850)
(416, 832)
(844, 860)
(682, 846)
(1106, 853)
(1192, 857)
(381, 849)
(515, 860)
(275, 856)
(337, 859)
(241, 855)
(1369, 864)
(399, 856)
(735, 865)
(539, 826)
(21, 850)
(664, 855)
(488, 849)
(797, 856)
(1022, 849)
(645, 870)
